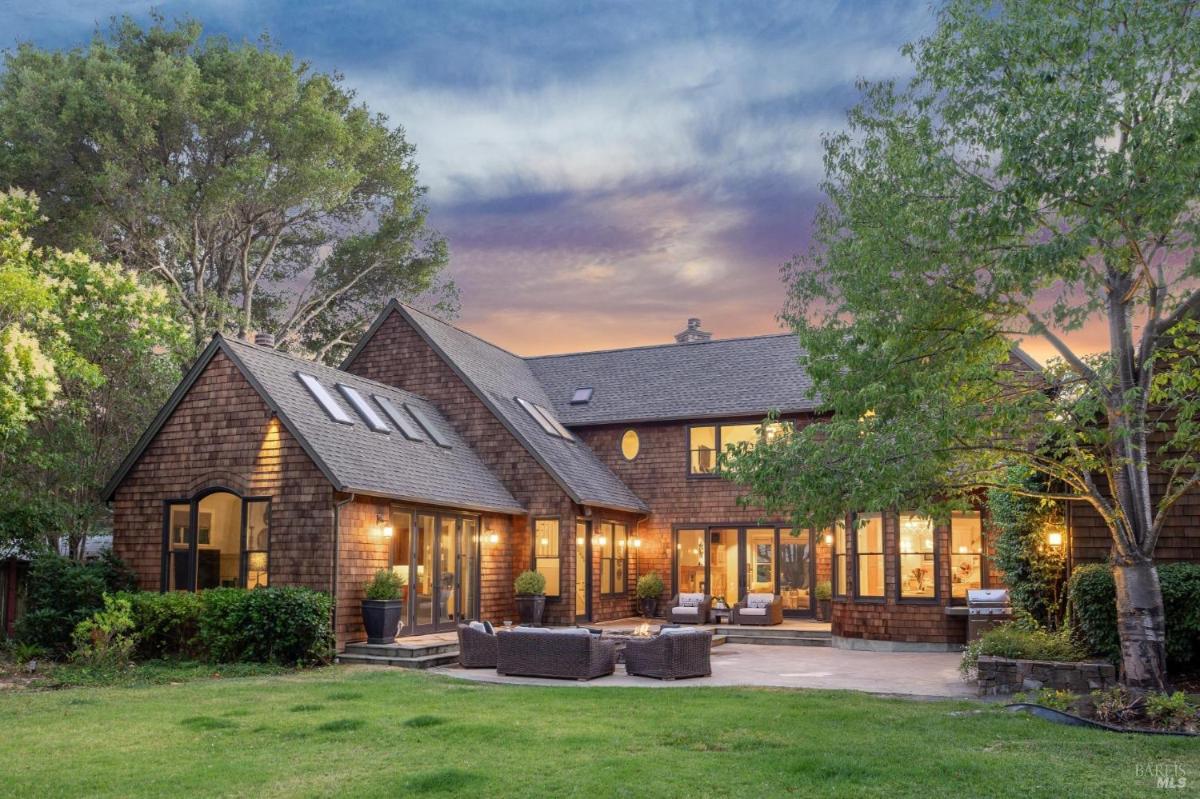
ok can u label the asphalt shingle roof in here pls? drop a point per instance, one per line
(499, 377)
(727, 377)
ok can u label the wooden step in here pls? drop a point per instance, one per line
(400, 650)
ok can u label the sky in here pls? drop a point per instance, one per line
(602, 171)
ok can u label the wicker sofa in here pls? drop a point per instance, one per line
(569, 653)
(670, 655)
(476, 647)
(758, 609)
(689, 608)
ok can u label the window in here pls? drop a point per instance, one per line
(325, 399)
(840, 563)
(218, 540)
(917, 574)
(545, 554)
(614, 557)
(561, 431)
(582, 396)
(868, 554)
(630, 444)
(373, 420)
(966, 554)
(430, 428)
(689, 562)
(406, 427)
(706, 441)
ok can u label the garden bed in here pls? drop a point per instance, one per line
(999, 676)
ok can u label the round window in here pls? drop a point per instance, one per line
(630, 444)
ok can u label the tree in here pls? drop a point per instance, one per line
(112, 349)
(254, 188)
(1039, 173)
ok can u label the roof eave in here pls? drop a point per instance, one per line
(514, 510)
(811, 410)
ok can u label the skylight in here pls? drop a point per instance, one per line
(402, 422)
(537, 417)
(429, 426)
(325, 399)
(558, 428)
(582, 396)
(364, 409)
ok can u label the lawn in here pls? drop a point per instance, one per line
(362, 732)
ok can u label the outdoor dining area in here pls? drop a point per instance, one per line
(669, 652)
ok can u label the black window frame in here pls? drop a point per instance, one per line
(983, 557)
(915, 600)
(534, 557)
(614, 558)
(845, 563)
(718, 444)
(193, 505)
(852, 545)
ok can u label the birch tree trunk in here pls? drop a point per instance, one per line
(1141, 624)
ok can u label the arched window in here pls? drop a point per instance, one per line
(216, 539)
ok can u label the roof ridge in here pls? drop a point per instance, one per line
(455, 327)
(657, 346)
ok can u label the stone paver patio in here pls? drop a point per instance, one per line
(923, 674)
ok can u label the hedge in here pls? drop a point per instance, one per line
(63, 592)
(1093, 597)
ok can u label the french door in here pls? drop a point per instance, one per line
(730, 562)
(583, 572)
(438, 556)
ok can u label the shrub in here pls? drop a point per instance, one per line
(106, 639)
(649, 586)
(168, 624)
(1094, 606)
(1032, 570)
(529, 584)
(386, 584)
(1117, 705)
(64, 592)
(1018, 642)
(823, 591)
(289, 626)
(1171, 711)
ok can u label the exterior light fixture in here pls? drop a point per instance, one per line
(382, 525)
(599, 540)
(1054, 539)
(829, 538)
(493, 538)
(637, 543)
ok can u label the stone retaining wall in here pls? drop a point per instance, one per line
(1004, 676)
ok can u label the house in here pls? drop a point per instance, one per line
(459, 464)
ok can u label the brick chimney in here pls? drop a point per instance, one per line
(693, 334)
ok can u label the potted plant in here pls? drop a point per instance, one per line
(649, 589)
(383, 607)
(530, 588)
(823, 593)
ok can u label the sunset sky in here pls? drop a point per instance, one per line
(601, 171)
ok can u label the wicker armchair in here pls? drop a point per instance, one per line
(571, 653)
(689, 608)
(670, 655)
(759, 609)
(476, 648)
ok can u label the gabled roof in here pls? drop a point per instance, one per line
(498, 378)
(702, 380)
(352, 457)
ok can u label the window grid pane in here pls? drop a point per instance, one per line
(546, 559)
(966, 554)
(916, 546)
(868, 548)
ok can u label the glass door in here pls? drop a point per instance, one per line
(423, 606)
(723, 564)
(796, 572)
(583, 572)
(448, 611)
(760, 561)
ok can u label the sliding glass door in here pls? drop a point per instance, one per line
(730, 562)
(438, 556)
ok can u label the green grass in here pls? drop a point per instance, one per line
(391, 733)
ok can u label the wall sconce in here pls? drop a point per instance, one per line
(493, 538)
(829, 538)
(1054, 539)
(637, 543)
(381, 524)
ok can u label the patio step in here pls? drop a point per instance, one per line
(765, 636)
(422, 662)
(401, 650)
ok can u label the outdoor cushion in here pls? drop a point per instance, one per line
(685, 611)
(690, 600)
(488, 628)
(759, 600)
(681, 631)
(753, 611)
(478, 625)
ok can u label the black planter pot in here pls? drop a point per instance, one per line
(531, 608)
(650, 607)
(824, 610)
(383, 619)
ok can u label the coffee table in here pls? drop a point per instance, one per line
(721, 615)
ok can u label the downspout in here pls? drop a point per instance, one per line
(333, 577)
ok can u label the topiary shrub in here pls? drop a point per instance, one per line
(62, 593)
(1093, 596)
(288, 626)
(168, 624)
(529, 583)
(385, 585)
(649, 586)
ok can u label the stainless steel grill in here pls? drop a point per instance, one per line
(987, 608)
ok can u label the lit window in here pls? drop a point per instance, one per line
(868, 552)
(966, 554)
(840, 563)
(702, 443)
(217, 541)
(916, 549)
(614, 557)
(630, 444)
(689, 562)
(705, 441)
(545, 554)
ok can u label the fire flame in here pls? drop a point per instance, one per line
(642, 631)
